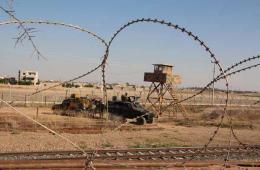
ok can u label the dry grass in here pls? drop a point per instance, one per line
(173, 136)
(168, 135)
(19, 134)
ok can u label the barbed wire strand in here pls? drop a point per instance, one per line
(45, 127)
(25, 34)
(88, 157)
(56, 23)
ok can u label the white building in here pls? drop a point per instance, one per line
(32, 76)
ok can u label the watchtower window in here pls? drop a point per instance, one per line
(156, 68)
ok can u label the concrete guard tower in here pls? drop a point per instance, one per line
(162, 90)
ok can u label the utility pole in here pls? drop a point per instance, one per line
(19, 76)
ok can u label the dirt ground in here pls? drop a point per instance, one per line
(18, 134)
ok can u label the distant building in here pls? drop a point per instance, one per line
(31, 76)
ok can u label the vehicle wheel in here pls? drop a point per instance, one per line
(140, 121)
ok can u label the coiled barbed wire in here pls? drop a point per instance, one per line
(240, 70)
(71, 26)
(207, 49)
(212, 56)
(229, 116)
(189, 34)
(169, 24)
(220, 77)
(106, 55)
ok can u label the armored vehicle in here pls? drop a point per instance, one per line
(129, 108)
(73, 105)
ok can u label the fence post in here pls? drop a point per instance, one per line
(45, 101)
(36, 118)
(2, 97)
(10, 93)
(32, 102)
(66, 94)
(37, 112)
(25, 100)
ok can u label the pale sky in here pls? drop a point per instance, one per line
(230, 28)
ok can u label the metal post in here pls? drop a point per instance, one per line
(36, 117)
(45, 101)
(37, 112)
(2, 97)
(25, 100)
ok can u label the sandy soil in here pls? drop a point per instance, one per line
(168, 134)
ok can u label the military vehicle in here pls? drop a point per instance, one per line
(130, 108)
(126, 108)
(74, 106)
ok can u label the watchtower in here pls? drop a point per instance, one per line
(162, 89)
(162, 74)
